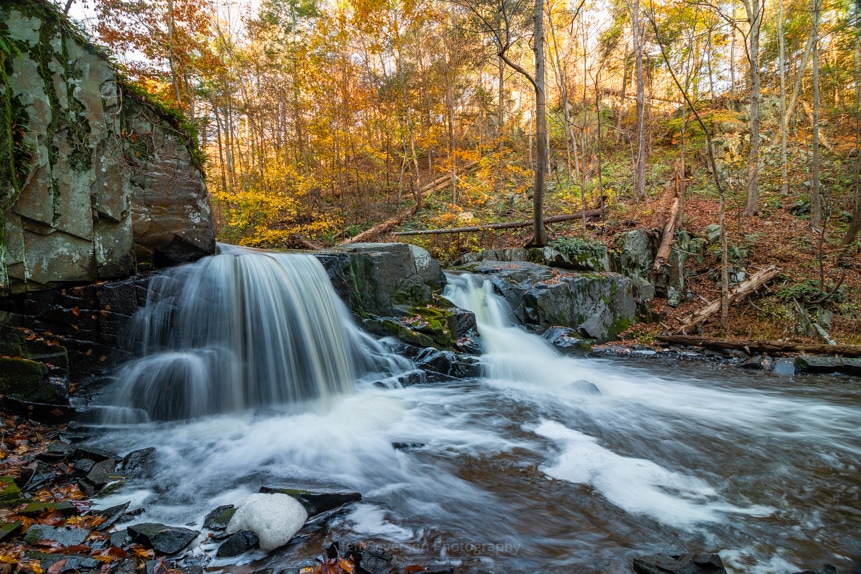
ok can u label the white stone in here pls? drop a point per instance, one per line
(274, 518)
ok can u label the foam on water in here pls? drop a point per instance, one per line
(546, 462)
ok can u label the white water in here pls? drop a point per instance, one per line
(528, 468)
(240, 330)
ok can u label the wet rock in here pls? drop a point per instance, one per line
(370, 560)
(219, 518)
(111, 515)
(784, 367)
(166, 540)
(827, 365)
(634, 257)
(597, 305)
(120, 538)
(84, 465)
(136, 462)
(316, 502)
(63, 536)
(93, 453)
(63, 563)
(238, 543)
(585, 387)
(274, 518)
(828, 569)
(448, 364)
(415, 377)
(55, 451)
(566, 340)
(679, 564)
(102, 472)
(123, 567)
(407, 445)
(757, 363)
(376, 278)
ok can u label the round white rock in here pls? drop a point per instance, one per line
(274, 518)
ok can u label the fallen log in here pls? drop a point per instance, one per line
(591, 214)
(667, 238)
(752, 346)
(389, 224)
(755, 282)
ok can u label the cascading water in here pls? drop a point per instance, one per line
(240, 330)
(546, 463)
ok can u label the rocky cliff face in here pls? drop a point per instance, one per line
(94, 179)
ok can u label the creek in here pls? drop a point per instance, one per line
(545, 463)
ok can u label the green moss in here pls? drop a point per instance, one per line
(10, 494)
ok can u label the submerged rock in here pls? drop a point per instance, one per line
(274, 518)
(566, 340)
(679, 564)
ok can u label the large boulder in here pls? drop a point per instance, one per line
(93, 176)
(598, 305)
(382, 278)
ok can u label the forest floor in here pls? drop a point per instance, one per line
(815, 274)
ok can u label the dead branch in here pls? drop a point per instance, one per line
(750, 346)
(755, 282)
(590, 214)
(389, 224)
(667, 238)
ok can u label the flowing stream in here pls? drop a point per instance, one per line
(545, 463)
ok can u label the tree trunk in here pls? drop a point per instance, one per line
(751, 347)
(855, 226)
(640, 162)
(815, 195)
(754, 16)
(539, 238)
(781, 63)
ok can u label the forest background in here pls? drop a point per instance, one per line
(322, 119)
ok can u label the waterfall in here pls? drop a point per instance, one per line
(240, 330)
(510, 353)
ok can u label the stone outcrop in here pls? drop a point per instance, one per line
(597, 305)
(382, 278)
(94, 179)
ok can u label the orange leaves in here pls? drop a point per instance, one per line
(331, 566)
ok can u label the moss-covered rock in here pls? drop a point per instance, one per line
(10, 494)
(382, 279)
(76, 194)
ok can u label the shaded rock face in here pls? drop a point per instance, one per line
(597, 305)
(92, 178)
(82, 330)
(382, 278)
